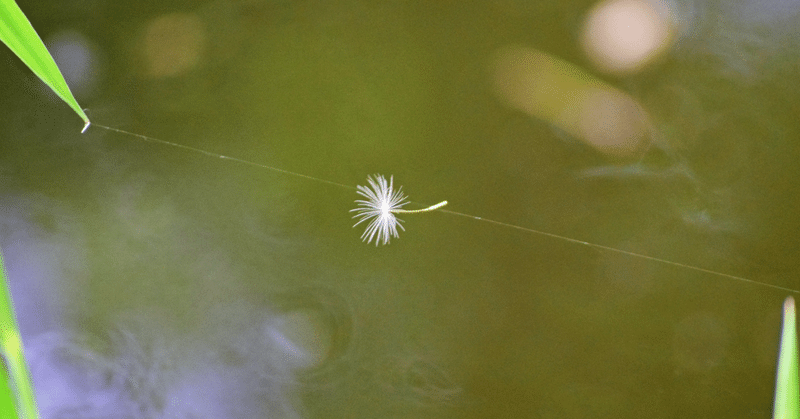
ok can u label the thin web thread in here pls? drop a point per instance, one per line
(624, 252)
(438, 208)
(221, 156)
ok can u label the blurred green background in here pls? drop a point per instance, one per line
(691, 156)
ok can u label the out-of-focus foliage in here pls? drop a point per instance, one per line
(16, 373)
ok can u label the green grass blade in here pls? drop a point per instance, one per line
(7, 409)
(11, 347)
(787, 394)
(16, 32)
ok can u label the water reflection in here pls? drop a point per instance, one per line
(242, 360)
(129, 258)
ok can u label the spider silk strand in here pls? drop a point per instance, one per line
(437, 207)
(624, 252)
(220, 156)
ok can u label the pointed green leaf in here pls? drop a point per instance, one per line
(16, 32)
(787, 394)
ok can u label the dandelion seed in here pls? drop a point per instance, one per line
(379, 208)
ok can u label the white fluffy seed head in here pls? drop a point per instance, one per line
(378, 207)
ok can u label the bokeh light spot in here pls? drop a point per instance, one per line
(566, 96)
(173, 44)
(622, 36)
(77, 59)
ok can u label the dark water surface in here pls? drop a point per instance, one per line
(152, 281)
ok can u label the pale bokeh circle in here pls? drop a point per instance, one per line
(622, 36)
